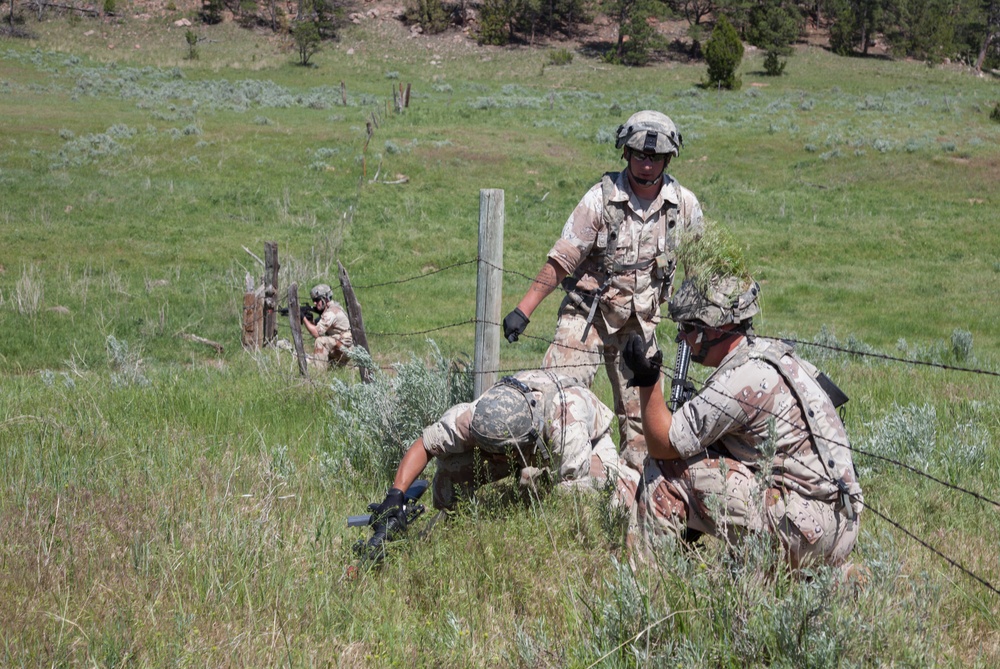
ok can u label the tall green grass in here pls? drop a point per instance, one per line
(166, 505)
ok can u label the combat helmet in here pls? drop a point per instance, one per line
(722, 301)
(506, 417)
(649, 132)
(321, 291)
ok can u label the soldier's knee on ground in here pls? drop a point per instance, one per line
(662, 510)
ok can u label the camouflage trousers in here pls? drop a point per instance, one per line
(328, 350)
(458, 475)
(722, 497)
(573, 355)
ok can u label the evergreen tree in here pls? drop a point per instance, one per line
(636, 38)
(723, 53)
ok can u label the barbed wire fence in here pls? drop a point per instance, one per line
(854, 353)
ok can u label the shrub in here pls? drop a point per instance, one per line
(560, 56)
(109, 6)
(211, 11)
(375, 422)
(995, 114)
(307, 40)
(192, 41)
(496, 21)
(773, 65)
(430, 15)
(723, 53)
(636, 37)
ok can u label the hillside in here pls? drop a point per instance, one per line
(168, 503)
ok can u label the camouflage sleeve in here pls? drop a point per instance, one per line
(451, 433)
(727, 405)
(690, 213)
(580, 231)
(579, 420)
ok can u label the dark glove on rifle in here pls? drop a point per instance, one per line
(645, 371)
(391, 507)
(514, 324)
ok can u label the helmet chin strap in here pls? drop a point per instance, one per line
(645, 182)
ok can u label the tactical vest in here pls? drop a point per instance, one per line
(611, 221)
(811, 406)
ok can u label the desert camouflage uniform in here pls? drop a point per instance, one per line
(720, 487)
(630, 302)
(576, 434)
(334, 338)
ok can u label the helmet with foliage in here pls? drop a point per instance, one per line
(649, 132)
(321, 291)
(505, 417)
(722, 300)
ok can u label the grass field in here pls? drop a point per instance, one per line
(164, 505)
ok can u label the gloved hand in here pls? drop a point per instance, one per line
(514, 324)
(391, 507)
(645, 371)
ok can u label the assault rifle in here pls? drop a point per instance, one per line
(307, 311)
(387, 530)
(681, 390)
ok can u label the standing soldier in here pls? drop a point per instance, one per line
(332, 331)
(534, 423)
(760, 448)
(616, 260)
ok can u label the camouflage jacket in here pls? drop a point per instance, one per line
(334, 323)
(643, 253)
(747, 397)
(575, 420)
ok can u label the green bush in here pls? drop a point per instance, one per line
(560, 56)
(307, 40)
(723, 53)
(995, 114)
(211, 11)
(773, 65)
(636, 37)
(109, 6)
(430, 15)
(192, 41)
(496, 21)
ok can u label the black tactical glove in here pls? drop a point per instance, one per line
(388, 522)
(645, 371)
(391, 507)
(514, 324)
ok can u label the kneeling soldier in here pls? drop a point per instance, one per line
(712, 466)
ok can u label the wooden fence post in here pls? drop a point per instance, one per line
(271, 266)
(295, 321)
(354, 316)
(249, 336)
(489, 290)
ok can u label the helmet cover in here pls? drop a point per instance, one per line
(321, 291)
(506, 417)
(725, 300)
(649, 132)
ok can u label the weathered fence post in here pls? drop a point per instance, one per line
(271, 266)
(354, 316)
(249, 337)
(489, 290)
(295, 321)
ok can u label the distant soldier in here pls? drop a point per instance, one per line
(616, 260)
(332, 331)
(713, 466)
(532, 425)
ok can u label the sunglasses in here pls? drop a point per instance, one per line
(690, 327)
(651, 157)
